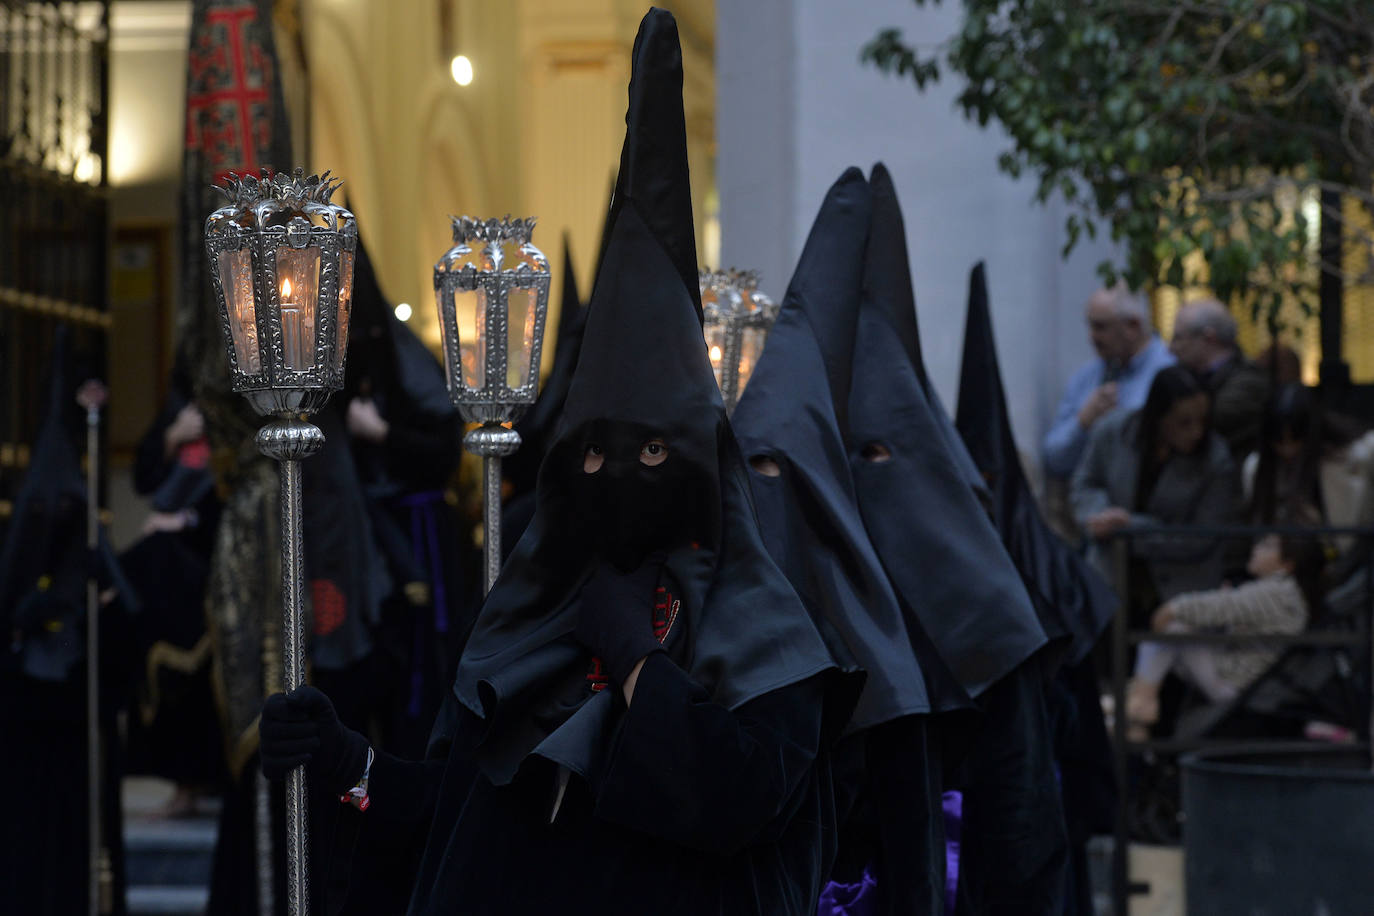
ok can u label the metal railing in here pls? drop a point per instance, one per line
(54, 230)
(1357, 637)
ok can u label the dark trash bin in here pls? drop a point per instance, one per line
(1279, 832)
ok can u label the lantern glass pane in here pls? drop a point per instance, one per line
(236, 278)
(470, 310)
(750, 349)
(715, 350)
(345, 307)
(298, 287)
(520, 309)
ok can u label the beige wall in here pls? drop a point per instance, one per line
(537, 132)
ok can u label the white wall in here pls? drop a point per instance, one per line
(795, 107)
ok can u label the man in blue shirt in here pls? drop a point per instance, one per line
(1129, 354)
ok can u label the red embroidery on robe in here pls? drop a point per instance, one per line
(665, 613)
(329, 606)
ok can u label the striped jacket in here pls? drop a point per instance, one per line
(1273, 604)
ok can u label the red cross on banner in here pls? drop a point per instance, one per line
(229, 97)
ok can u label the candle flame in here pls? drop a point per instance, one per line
(715, 354)
(286, 288)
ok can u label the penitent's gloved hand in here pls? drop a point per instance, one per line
(302, 728)
(616, 620)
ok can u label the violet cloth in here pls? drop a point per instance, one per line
(860, 898)
(954, 816)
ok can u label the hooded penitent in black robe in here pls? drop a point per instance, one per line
(44, 565)
(537, 427)
(711, 792)
(1059, 581)
(947, 562)
(426, 559)
(172, 729)
(789, 422)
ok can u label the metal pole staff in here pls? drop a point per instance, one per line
(289, 441)
(262, 813)
(491, 441)
(92, 658)
(91, 396)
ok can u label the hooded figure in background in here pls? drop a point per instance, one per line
(1074, 597)
(540, 422)
(174, 734)
(646, 701)
(790, 421)
(44, 567)
(947, 562)
(406, 445)
(1059, 581)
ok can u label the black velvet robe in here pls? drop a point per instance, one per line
(700, 810)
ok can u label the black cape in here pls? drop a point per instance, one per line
(708, 795)
(935, 539)
(1077, 603)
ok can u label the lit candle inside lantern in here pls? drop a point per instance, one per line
(715, 357)
(292, 329)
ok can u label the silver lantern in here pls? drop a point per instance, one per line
(736, 319)
(281, 264)
(492, 289)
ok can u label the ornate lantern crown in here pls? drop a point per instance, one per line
(736, 318)
(492, 289)
(281, 263)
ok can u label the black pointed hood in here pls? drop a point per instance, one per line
(385, 358)
(642, 373)
(790, 415)
(653, 176)
(939, 547)
(1075, 602)
(889, 275)
(390, 365)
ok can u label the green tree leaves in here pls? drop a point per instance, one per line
(1191, 129)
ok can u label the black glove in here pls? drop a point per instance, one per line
(616, 620)
(302, 728)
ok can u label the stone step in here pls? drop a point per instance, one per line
(169, 852)
(167, 901)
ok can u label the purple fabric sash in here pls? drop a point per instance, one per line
(954, 820)
(424, 539)
(849, 899)
(860, 899)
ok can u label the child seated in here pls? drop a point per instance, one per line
(1278, 600)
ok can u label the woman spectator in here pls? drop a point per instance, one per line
(1160, 465)
(1312, 466)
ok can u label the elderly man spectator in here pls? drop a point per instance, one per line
(1129, 354)
(1204, 342)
